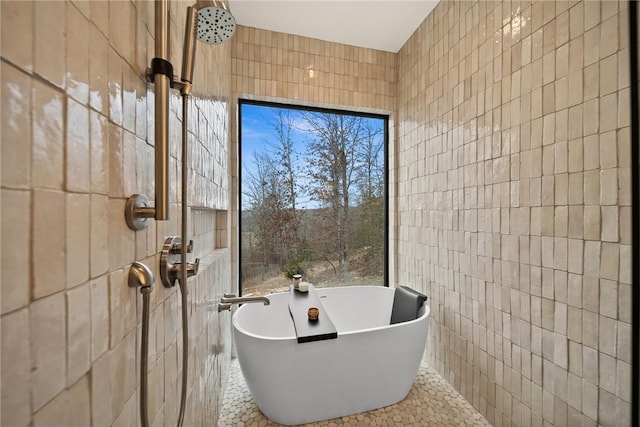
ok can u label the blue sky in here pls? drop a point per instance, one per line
(256, 129)
(257, 133)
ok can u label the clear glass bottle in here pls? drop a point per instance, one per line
(296, 280)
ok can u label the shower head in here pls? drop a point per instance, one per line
(215, 23)
(210, 22)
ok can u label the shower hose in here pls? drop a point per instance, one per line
(146, 291)
(183, 270)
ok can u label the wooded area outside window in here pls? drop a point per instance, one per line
(313, 197)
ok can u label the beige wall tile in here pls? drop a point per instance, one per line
(122, 380)
(592, 222)
(77, 52)
(18, 33)
(129, 415)
(609, 36)
(53, 413)
(99, 153)
(609, 263)
(77, 238)
(610, 220)
(98, 60)
(607, 408)
(99, 295)
(590, 400)
(47, 150)
(99, 240)
(49, 275)
(16, 270)
(121, 31)
(16, 127)
(99, 13)
(129, 171)
(79, 403)
(16, 369)
(116, 155)
(48, 349)
(49, 30)
(609, 112)
(78, 332)
(130, 82)
(101, 414)
(77, 164)
(623, 350)
(116, 236)
(609, 298)
(607, 335)
(122, 306)
(115, 66)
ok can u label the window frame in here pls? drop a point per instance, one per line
(269, 104)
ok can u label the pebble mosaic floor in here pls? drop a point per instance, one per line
(431, 402)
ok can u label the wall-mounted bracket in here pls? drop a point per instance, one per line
(140, 276)
(137, 212)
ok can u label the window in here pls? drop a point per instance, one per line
(313, 197)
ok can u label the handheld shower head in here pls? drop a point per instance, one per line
(210, 22)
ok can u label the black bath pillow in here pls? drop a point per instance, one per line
(406, 304)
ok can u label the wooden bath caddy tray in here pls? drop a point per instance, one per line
(309, 330)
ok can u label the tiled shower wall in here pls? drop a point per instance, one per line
(77, 139)
(290, 69)
(514, 205)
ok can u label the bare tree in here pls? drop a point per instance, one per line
(369, 232)
(370, 172)
(257, 189)
(333, 160)
(284, 162)
(269, 188)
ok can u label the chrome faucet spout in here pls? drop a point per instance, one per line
(229, 299)
(241, 300)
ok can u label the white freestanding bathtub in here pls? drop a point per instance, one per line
(370, 365)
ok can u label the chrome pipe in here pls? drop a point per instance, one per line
(161, 115)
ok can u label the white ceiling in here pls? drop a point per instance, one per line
(381, 25)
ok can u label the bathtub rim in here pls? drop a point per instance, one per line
(425, 314)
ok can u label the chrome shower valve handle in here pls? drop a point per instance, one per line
(171, 262)
(192, 268)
